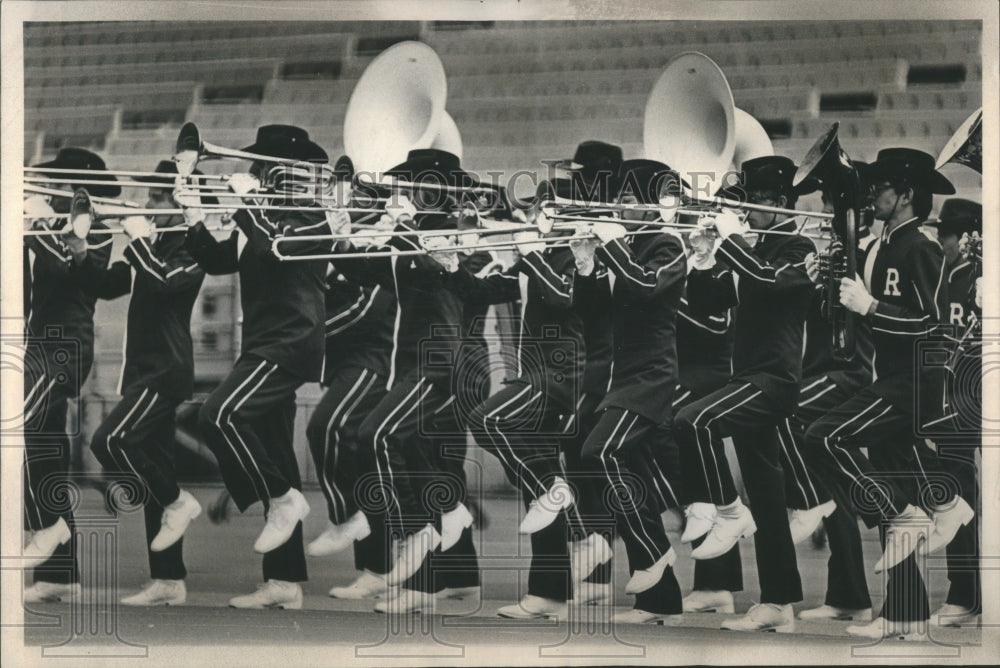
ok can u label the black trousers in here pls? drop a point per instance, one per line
(248, 423)
(963, 553)
(746, 414)
(523, 429)
(46, 462)
(332, 433)
(846, 586)
(137, 438)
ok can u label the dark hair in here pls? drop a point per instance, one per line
(921, 200)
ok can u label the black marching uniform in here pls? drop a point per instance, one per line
(768, 286)
(904, 271)
(157, 374)
(522, 424)
(649, 273)
(59, 354)
(358, 327)
(248, 420)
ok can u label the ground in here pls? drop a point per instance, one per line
(221, 563)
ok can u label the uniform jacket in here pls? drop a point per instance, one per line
(283, 302)
(649, 274)
(551, 349)
(358, 326)
(58, 308)
(592, 299)
(770, 291)
(164, 281)
(704, 347)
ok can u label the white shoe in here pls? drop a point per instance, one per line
(534, 607)
(647, 578)
(947, 521)
(159, 592)
(367, 585)
(412, 553)
(804, 522)
(699, 518)
(881, 628)
(838, 614)
(588, 554)
(764, 617)
(406, 602)
(271, 594)
(44, 542)
(52, 592)
(592, 593)
(702, 600)
(544, 509)
(337, 537)
(453, 523)
(954, 615)
(643, 617)
(730, 525)
(459, 593)
(286, 511)
(905, 532)
(176, 518)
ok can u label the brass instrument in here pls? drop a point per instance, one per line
(965, 146)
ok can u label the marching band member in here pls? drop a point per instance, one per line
(770, 290)
(399, 436)
(648, 280)
(359, 322)
(137, 436)
(521, 424)
(248, 419)
(904, 297)
(59, 333)
(958, 437)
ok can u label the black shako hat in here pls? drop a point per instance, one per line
(648, 180)
(169, 169)
(79, 158)
(912, 166)
(959, 216)
(288, 142)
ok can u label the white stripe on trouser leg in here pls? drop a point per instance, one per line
(114, 433)
(31, 492)
(813, 384)
(521, 466)
(665, 480)
(343, 421)
(38, 402)
(329, 431)
(798, 453)
(836, 451)
(122, 451)
(818, 395)
(650, 546)
(385, 476)
(246, 448)
(392, 430)
(218, 424)
(701, 448)
(708, 430)
(857, 416)
(607, 474)
(791, 464)
(496, 445)
(920, 465)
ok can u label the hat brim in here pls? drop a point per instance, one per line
(308, 148)
(110, 190)
(933, 180)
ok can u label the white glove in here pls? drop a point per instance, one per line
(812, 267)
(186, 162)
(854, 296)
(583, 253)
(543, 222)
(364, 236)
(728, 223)
(608, 232)
(979, 293)
(339, 222)
(137, 227)
(669, 205)
(704, 242)
(190, 203)
(442, 250)
(243, 184)
(528, 242)
(401, 209)
(37, 207)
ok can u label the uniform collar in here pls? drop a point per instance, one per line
(906, 225)
(961, 265)
(784, 226)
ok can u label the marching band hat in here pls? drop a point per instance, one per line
(773, 172)
(288, 142)
(434, 166)
(169, 169)
(649, 180)
(79, 158)
(959, 216)
(916, 167)
(594, 162)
